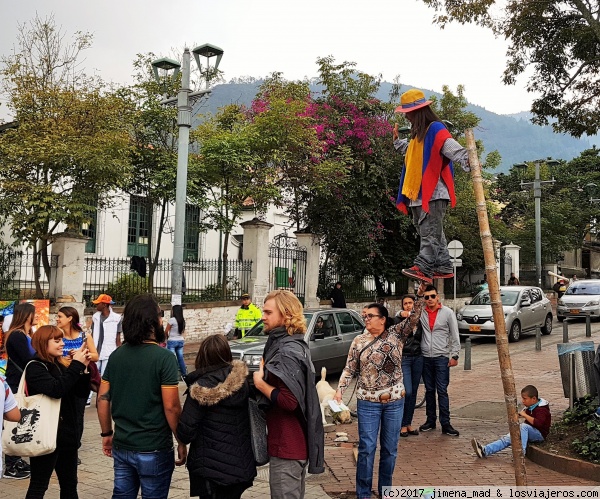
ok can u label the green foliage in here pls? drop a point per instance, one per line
(565, 77)
(126, 286)
(566, 213)
(582, 414)
(71, 144)
(8, 271)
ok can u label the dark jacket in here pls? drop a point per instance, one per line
(19, 352)
(288, 358)
(66, 383)
(215, 421)
(337, 297)
(412, 345)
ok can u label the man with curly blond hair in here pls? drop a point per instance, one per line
(286, 377)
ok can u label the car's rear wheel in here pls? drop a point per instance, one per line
(547, 327)
(515, 332)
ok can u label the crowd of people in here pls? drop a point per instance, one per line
(138, 401)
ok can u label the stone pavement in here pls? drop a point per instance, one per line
(478, 410)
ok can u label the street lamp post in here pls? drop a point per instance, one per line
(185, 99)
(537, 195)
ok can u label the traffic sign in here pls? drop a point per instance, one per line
(455, 248)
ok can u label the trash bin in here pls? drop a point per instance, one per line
(584, 353)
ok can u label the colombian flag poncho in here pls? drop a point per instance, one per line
(427, 157)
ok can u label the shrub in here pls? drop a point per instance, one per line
(126, 286)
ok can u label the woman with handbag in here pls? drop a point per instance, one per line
(67, 319)
(215, 421)
(49, 376)
(17, 343)
(175, 332)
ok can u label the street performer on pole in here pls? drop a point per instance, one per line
(427, 183)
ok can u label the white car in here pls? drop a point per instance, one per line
(580, 299)
(525, 307)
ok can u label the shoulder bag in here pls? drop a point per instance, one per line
(35, 433)
(258, 432)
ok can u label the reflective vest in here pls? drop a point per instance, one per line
(247, 317)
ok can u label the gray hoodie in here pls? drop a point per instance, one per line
(445, 341)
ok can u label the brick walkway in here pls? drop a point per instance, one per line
(476, 401)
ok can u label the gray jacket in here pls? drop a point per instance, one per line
(444, 342)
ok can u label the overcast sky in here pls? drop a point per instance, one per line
(260, 36)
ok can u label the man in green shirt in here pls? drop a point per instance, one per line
(139, 392)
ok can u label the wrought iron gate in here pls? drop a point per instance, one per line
(287, 262)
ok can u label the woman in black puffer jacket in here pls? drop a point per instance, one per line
(215, 421)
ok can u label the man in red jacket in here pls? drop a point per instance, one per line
(535, 428)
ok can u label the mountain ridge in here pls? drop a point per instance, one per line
(512, 135)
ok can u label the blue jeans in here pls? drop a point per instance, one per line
(176, 346)
(412, 369)
(371, 417)
(528, 434)
(436, 375)
(150, 470)
(433, 252)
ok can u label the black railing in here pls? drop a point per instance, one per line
(359, 289)
(17, 276)
(203, 280)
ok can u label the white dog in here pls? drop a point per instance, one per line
(326, 393)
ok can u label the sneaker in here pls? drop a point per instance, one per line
(427, 427)
(15, 473)
(597, 413)
(23, 466)
(443, 275)
(477, 447)
(415, 273)
(448, 430)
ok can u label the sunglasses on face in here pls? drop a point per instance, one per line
(429, 297)
(368, 317)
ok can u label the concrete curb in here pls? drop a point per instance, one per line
(563, 464)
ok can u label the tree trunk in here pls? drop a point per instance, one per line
(506, 373)
(39, 292)
(153, 262)
(224, 269)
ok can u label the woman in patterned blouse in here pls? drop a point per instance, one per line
(375, 359)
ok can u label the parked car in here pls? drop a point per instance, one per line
(329, 335)
(525, 307)
(580, 298)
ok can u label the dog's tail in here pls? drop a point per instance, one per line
(323, 373)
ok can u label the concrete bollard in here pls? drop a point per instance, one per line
(588, 326)
(565, 330)
(538, 338)
(468, 354)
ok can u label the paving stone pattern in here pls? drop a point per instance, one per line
(428, 459)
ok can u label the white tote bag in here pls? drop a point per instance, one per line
(35, 433)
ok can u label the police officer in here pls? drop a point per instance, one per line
(248, 315)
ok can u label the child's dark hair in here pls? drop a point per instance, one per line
(530, 391)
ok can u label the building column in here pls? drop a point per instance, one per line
(313, 260)
(256, 248)
(70, 251)
(512, 250)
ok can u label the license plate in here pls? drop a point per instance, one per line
(475, 329)
(574, 311)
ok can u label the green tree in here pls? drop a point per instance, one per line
(232, 172)
(71, 145)
(287, 138)
(558, 41)
(154, 132)
(566, 213)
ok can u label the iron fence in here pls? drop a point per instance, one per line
(17, 276)
(355, 288)
(203, 280)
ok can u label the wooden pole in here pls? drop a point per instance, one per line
(506, 373)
